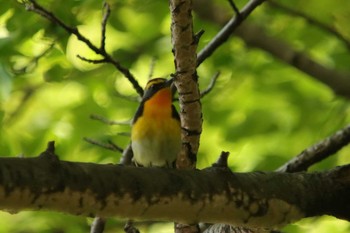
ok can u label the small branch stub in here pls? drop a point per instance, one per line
(222, 161)
(49, 153)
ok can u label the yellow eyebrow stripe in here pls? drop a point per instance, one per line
(154, 81)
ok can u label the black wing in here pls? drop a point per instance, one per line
(138, 113)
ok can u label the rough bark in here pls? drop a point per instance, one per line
(214, 195)
(184, 49)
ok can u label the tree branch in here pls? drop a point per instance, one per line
(109, 146)
(93, 61)
(107, 121)
(318, 152)
(327, 28)
(107, 12)
(184, 43)
(37, 8)
(227, 30)
(186, 81)
(255, 36)
(33, 62)
(258, 199)
(151, 68)
(211, 85)
(234, 7)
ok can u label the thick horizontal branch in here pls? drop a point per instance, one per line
(213, 195)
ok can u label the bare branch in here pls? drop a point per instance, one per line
(256, 199)
(211, 85)
(255, 36)
(186, 80)
(106, 14)
(125, 134)
(110, 146)
(93, 61)
(234, 7)
(151, 67)
(107, 121)
(318, 151)
(33, 62)
(197, 36)
(35, 7)
(227, 30)
(23, 101)
(313, 21)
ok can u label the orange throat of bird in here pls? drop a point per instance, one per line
(159, 105)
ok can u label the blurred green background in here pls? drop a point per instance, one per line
(261, 110)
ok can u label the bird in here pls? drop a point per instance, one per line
(156, 127)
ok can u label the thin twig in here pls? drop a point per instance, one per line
(227, 30)
(151, 67)
(94, 61)
(211, 85)
(128, 97)
(107, 11)
(115, 147)
(23, 101)
(109, 146)
(35, 7)
(308, 18)
(34, 60)
(255, 36)
(234, 7)
(107, 121)
(198, 36)
(318, 151)
(124, 134)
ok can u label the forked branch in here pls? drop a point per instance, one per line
(227, 30)
(32, 5)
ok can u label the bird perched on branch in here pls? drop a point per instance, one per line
(156, 130)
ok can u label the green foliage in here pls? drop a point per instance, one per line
(262, 111)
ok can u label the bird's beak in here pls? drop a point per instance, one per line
(169, 82)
